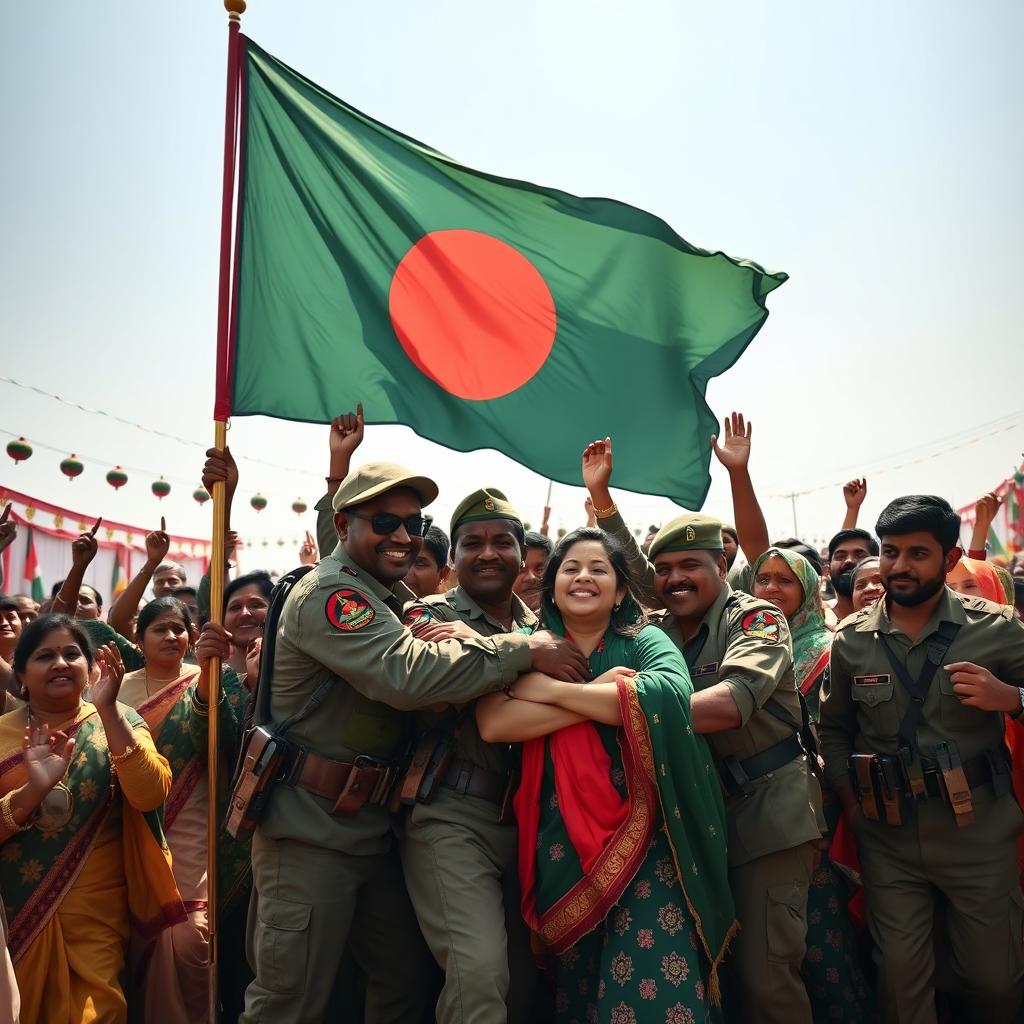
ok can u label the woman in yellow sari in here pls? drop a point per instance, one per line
(86, 859)
(172, 975)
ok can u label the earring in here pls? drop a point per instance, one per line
(615, 608)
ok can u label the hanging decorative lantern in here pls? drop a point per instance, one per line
(258, 502)
(280, 542)
(561, 532)
(71, 467)
(19, 450)
(201, 495)
(161, 488)
(299, 506)
(527, 526)
(117, 478)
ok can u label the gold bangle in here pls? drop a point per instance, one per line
(8, 818)
(130, 751)
(604, 513)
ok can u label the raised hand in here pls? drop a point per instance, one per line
(47, 756)
(308, 553)
(221, 467)
(158, 543)
(986, 508)
(104, 693)
(734, 453)
(347, 432)
(8, 528)
(855, 492)
(83, 550)
(597, 466)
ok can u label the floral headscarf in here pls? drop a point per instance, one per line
(812, 639)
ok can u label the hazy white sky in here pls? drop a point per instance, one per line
(873, 151)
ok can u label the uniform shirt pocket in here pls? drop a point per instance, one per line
(875, 697)
(281, 944)
(953, 713)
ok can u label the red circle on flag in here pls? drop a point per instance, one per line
(473, 313)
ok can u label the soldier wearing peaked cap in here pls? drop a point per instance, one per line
(346, 675)
(459, 843)
(747, 704)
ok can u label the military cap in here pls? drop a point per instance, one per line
(689, 532)
(375, 478)
(486, 503)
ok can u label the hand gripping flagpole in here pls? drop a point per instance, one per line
(222, 409)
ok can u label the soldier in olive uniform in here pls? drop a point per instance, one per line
(912, 732)
(746, 703)
(459, 858)
(325, 871)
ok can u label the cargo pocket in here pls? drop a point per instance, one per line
(281, 945)
(787, 922)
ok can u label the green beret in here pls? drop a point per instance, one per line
(375, 478)
(487, 503)
(689, 532)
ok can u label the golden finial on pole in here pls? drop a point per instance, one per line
(235, 9)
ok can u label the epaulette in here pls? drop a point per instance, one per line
(981, 604)
(853, 618)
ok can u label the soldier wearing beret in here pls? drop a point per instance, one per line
(912, 724)
(459, 843)
(345, 669)
(746, 702)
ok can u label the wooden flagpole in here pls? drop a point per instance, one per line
(225, 342)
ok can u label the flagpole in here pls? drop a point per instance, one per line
(235, 9)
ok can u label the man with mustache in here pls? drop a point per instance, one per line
(846, 550)
(459, 849)
(912, 723)
(746, 703)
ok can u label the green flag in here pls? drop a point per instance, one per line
(482, 312)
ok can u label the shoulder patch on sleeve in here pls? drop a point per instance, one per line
(348, 610)
(418, 616)
(762, 624)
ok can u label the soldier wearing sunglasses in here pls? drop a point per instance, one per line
(325, 869)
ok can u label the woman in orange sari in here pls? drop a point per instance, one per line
(87, 858)
(172, 964)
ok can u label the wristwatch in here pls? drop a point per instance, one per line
(1020, 711)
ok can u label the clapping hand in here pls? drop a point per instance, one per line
(105, 691)
(734, 453)
(47, 756)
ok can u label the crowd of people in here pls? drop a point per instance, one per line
(489, 775)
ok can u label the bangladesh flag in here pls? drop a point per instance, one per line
(481, 311)
(33, 580)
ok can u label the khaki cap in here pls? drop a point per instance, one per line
(691, 531)
(375, 478)
(486, 503)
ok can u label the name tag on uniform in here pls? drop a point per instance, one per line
(706, 668)
(880, 680)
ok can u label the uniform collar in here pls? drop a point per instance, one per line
(949, 609)
(462, 602)
(399, 592)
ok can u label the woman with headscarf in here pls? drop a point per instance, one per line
(832, 971)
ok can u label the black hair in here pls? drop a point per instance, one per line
(517, 531)
(927, 513)
(538, 540)
(629, 618)
(180, 592)
(8, 603)
(797, 545)
(55, 590)
(157, 607)
(39, 629)
(435, 540)
(260, 578)
(844, 535)
(731, 530)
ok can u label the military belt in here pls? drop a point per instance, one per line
(738, 776)
(327, 778)
(977, 771)
(468, 779)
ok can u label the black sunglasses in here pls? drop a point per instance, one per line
(385, 523)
